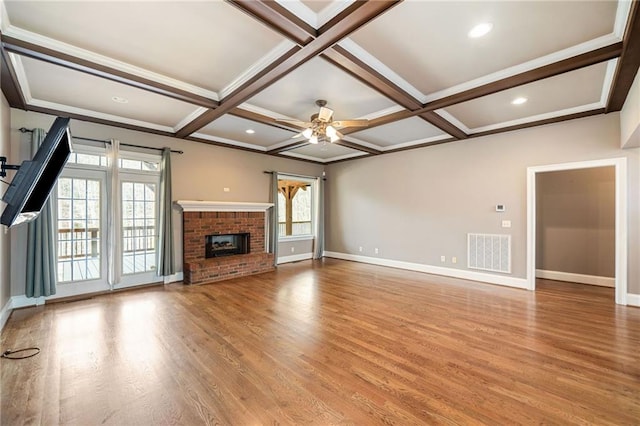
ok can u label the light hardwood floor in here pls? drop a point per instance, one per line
(330, 342)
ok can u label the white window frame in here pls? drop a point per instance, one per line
(313, 187)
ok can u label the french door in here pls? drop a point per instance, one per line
(86, 210)
(138, 228)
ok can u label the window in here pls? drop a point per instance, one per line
(126, 163)
(295, 207)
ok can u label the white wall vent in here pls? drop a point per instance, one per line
(489, 252)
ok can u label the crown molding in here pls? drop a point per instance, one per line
(366, 57)
(21, 75)
(301, 11)
(607, 83)
(229, 142)
(98, 115)
(622, 16)
(324, 160)
(281, 49)
(552, 58)
(546, 116)
(68, 49)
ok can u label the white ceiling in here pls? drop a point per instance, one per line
(440, 55)
(413, 54)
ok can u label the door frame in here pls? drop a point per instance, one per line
(620, 165)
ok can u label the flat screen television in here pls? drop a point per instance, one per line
(32, 184)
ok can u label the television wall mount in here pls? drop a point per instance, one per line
(4, 167)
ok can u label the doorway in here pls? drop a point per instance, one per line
(620, 232)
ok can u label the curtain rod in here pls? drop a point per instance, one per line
(270, 172)
(25, 130)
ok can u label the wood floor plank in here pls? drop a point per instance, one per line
(327, 342)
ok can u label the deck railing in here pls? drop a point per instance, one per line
(298, 228)
(85, 242)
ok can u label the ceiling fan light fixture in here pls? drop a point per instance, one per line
(307, 133)
(313, 139)
(334, 138)
(325, 114)
(331, 131)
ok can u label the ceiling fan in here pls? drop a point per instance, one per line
(322, 127)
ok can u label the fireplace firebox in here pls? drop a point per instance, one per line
(226, 244)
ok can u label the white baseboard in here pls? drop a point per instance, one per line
(178, 276)
(633, 299)
(23, 301)
(435, 270)
(576, 278)
(16, 302)
(294, 258)
(4, 313)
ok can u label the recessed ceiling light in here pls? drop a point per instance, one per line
(250, 131)
(120, 100)
(519, 101)
(480, 30)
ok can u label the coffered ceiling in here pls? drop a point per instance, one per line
(210, 71)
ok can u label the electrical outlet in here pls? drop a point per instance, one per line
(506, 224)
(360, 249)
(454, 259)
(443, 259)
(226, 189)
(293, 249)
(376, 250)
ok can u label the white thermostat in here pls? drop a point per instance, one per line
(500, 207)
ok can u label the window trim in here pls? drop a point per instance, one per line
(139, 156)
(302, 237)
(312, 185)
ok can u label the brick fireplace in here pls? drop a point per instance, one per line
(202, 219)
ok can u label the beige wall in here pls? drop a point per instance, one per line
(417, 205)
(5, 150)
(299, 247)
(575, 230)
(201, 173)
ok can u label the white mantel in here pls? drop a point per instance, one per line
(221, 206)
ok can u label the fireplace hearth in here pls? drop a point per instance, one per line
(219, 245)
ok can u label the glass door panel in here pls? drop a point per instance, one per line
(139, 230)
(79, 237)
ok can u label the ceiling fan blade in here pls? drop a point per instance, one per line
(350, 123)
(297, 123)
(325, 114)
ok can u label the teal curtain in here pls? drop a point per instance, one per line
(318, 248)
(41, 258)
(166, 257)
(273, 219)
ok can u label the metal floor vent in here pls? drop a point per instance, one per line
(489, 252)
